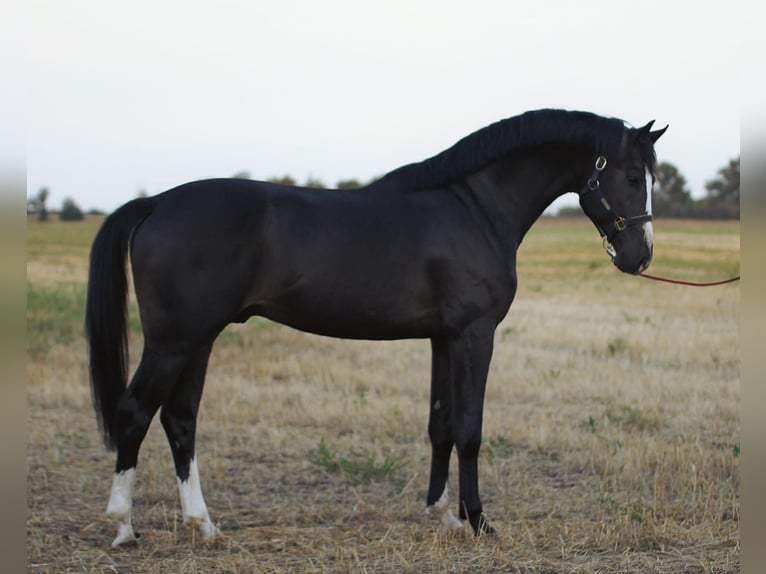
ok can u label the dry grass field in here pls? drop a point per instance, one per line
(611, 435)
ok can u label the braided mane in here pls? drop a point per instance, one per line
(534, 128)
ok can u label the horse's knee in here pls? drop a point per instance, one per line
(468, 447)
(441, 443)
(440, 434)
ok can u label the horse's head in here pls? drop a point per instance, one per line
(618, 198)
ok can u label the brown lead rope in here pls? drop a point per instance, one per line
(691, 283)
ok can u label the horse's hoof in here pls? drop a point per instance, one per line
(126, 536)
(447, 520)
(440, 510)
(204, 526)
(481, 527)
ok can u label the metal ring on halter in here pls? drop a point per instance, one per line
(593, 182)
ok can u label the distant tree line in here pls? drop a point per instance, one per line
(311, 181)
(670, 197)
(69, 211)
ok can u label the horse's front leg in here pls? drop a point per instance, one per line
(470, 356)
(440, 433)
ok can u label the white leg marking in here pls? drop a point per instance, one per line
(121, 504)
(440, 509)
(193, 504)
(648, 228)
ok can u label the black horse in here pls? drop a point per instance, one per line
(428, 251)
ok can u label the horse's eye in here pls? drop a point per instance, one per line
(634, 180)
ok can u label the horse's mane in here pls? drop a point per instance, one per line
(534, 128)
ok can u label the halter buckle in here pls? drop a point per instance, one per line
(593, 182)
(620, 224)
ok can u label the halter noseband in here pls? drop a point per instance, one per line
(597, 208)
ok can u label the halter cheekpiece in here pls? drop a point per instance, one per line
(597, 208)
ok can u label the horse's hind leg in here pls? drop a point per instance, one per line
(155, 376)
(179, 419)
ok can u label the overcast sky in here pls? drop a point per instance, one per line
(124, 97)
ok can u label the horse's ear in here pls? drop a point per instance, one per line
(644, 131)
(655, 135)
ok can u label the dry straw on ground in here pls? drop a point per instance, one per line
(611, 431)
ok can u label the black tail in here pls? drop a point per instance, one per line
(106, 311)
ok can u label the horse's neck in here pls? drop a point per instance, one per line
(524, 185)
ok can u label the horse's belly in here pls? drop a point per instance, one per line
(355, 319)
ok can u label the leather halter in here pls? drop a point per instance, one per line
(597, 208)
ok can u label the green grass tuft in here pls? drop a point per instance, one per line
(54, 316)
(616, 346)
(360, 466)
